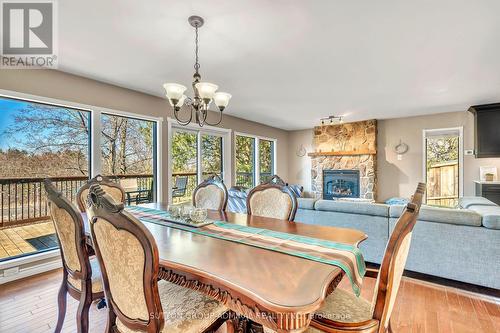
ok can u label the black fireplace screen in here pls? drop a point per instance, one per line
(340, 184)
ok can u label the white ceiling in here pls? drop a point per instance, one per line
(289, 63)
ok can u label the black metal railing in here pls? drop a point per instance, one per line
(23, 200)
(245, 179)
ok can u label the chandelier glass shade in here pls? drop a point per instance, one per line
(204, 93)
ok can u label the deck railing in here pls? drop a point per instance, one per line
(245, 179)
(23, 200)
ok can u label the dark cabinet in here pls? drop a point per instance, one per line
(486, 129)
(489, 191)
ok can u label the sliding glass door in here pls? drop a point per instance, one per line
(255, 160)
(266, 160)
(184, 161)
(194, 155)
(245, 161)
(212, 160)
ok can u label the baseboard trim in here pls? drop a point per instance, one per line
(30, 265)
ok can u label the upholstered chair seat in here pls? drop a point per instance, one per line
(344, 312)
(96, 278)
(137, 300)
(186, 310)
(345, 307)
(82, 277)
(342, 306)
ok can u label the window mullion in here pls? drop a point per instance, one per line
(199, 172)
(257, 162)
(95, 143)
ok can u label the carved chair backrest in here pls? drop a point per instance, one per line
(393, 263)
(211, 194)
(128, 257)
(275, 179)
(70, 232)
(112, 188)
(272, 199)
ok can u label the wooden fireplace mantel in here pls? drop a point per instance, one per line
(342, 153)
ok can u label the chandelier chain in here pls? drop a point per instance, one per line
(197, 64)
(197, 106)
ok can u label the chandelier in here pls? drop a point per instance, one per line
(204, 92)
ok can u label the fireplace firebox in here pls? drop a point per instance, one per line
(340, 184)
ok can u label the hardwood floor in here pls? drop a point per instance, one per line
(30, 306)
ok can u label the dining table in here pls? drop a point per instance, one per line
(270, 288)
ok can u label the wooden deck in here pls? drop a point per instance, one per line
(13, 240)
(30, 305)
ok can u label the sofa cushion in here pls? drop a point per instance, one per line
(363, 208)
(442, 215)
(375, 227)
(296, 189)
(306, 203)
(466, 202)
(458, 252)
(490, 215)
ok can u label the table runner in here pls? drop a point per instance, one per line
(346, 257)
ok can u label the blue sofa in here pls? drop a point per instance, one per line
(459, 244)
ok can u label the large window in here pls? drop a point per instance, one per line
(184, 159)
(37, 141)
(245, 161)
(255, 160)
(266, 160)
(68, 143)
(194, 155)
(443, 166)
(211, 155)
(128, 155)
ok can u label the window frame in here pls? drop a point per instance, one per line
(256, 158)
(51, 259)
(224, 133)
(95, 129)
(435, 132)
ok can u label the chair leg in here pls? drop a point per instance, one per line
(389, 327)
(111, 322)
(82, 314)
(61, 304)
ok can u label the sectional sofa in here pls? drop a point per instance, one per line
(459, 244)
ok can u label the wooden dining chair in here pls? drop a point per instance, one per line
(81, 275)
(129, 261)
(112, 188)
(211, 194)
(344, 312)
(272, 199)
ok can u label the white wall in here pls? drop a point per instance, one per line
(299, 168)
(72, 88)
(398, 178)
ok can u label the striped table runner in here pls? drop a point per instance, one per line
(346, 257)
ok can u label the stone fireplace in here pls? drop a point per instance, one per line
(343, 164)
